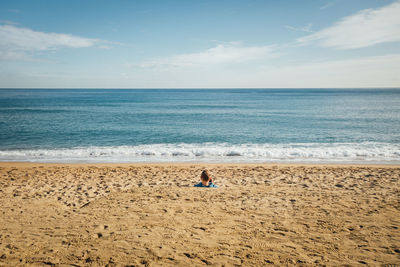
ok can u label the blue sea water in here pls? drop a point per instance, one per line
(227, 125)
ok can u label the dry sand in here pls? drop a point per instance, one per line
(121, 214)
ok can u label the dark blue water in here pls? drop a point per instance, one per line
(250, 125)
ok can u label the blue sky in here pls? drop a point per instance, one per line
(199, 44)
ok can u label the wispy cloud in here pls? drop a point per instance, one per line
(372, 71)
(221, 54)
(379, 71)
(18, 43)
(365, 28)
(8, 22)
(375, 71)
(328, 5)
(14, 10)
(306, 28)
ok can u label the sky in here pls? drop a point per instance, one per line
(199, 44)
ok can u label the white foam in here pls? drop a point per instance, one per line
(215, 152)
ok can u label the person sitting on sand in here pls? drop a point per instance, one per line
(206, 180)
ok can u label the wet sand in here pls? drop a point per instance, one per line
(150, 215)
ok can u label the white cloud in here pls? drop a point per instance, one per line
(373, 71)
(220, 54)
(365, 28)
(21, 43)
(377, 71)
(328, 5)
(8, 22)
(306, 28)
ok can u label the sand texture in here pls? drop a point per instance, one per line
(150, 215)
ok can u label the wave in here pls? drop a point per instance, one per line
(215, 152)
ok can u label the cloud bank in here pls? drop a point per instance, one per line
(365, 28)
(220, 54)
(372, 71)
(21, 43)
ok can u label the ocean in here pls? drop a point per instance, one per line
(200, 125)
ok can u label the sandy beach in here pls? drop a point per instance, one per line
(150, 215)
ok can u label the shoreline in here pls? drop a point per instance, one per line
(138, 164)
(309, 153)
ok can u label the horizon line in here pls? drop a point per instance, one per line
(189, 88)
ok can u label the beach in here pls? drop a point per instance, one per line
(151, 215)
(199, 133)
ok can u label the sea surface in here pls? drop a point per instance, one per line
(224, 125)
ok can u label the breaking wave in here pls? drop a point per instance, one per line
(215, 152)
